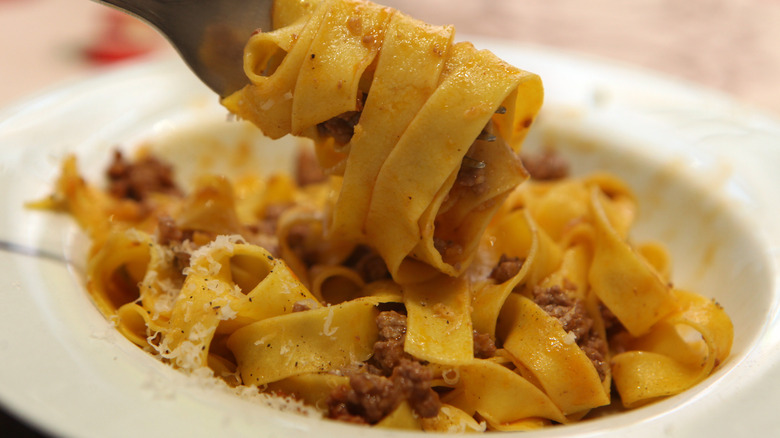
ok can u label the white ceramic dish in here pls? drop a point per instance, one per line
(702, 165)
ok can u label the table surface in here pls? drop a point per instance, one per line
(727, 45)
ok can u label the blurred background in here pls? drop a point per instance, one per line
(729, 45)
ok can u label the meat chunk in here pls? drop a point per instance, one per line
(301, 240)
(391, 325)
(575, 319)
(449, 249)
(370, 397)
(414, 381)
(484, 347)
(389, 348)
(375, 391)
(596, 348)
(368, 263)
(138, 180)
(546, 165)
(611, 323)
(570, 312)
(169, 234)
(271, 213)
(341, 127)
(339, 405)
(506, 268)
(372, 268)
(472, 174)
(307, 169)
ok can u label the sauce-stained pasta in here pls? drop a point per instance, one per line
(395, 107)
(419, 285)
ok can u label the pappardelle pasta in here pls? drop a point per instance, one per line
(394, 106)
(416, 284)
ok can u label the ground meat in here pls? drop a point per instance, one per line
(339, 405)
(341, 127)
(374, 391)
(168, 232)
(389, 348)
(307, 168)
(137, 180)
(472, 174)
(414, 379)
(370, 397)
(449, 249)
(575, 319)
(391, 325)
(368, 264)
(181, 259)
(506, 268)
(484, 347)
(271, 214)
(298, 240)
(570, 312)
(372, 267)
(546, 165)
(611, 323)
(595, 348)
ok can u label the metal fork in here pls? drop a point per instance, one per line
(208, 34)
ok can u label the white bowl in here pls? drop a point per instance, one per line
(702, 165)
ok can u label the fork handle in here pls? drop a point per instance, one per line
(210, 35)
(148, 10)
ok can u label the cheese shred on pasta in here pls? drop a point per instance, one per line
(420, 285)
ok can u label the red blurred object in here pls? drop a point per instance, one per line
(123, 37)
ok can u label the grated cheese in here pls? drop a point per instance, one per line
(226, 312)
(327, 330)
(204, 255)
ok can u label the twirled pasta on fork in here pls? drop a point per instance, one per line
(424, 130)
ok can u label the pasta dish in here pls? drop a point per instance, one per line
(414, 272)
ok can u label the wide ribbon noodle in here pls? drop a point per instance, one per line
(556, 307)
(338, 293)
(423, 130)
